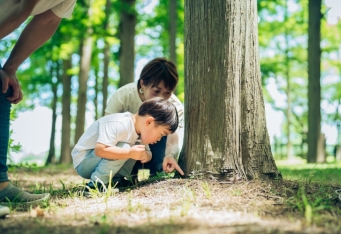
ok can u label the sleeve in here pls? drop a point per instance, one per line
(115, 103)
(64, 9)
(109, 133)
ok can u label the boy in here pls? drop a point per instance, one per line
(109, 143)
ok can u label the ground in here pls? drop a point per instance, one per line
(174, 206)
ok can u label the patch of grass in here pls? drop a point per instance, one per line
(163, 204)
(298, 170)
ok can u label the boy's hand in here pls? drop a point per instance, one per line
(148, 157)
(169, 165)
(138, 152)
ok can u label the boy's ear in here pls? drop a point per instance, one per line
(149, 120)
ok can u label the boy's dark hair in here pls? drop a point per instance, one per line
(157, 70)
(163, 112)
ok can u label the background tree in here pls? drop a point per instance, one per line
(84, 68)
(127, 41)
(282, 40)
(225, 131)
(314, 86)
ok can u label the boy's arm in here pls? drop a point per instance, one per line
(137, 152)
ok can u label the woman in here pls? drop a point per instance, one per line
(158, 78)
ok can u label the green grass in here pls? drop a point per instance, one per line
(300, 170)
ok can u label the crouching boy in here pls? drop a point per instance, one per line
(108, 147)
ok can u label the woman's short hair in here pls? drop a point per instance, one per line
(163, 112)
(157, 70)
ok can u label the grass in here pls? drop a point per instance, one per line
(305, 201)
(298, 169)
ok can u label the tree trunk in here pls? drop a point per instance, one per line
(321, 156)
(225, 129)
(106, 61)
(65, 151)
(127, 38)
(96, 68)
(288, 90)
(314, 87)
(51, 154)
(172, 30)
(85, 63)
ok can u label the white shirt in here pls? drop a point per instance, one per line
(61, 8)
(126, 98)
(108, 130)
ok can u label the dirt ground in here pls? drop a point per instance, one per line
(174, 206)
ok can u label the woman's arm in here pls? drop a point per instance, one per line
(172, 145)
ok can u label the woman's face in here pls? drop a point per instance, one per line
(156, 91)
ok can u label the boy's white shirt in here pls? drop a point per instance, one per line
(108, 130)
(61, 8)
(126, 98)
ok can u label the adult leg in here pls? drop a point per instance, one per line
(7, 191)
(5, 107)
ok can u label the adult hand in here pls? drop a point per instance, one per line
(8, 78)
(169, 165)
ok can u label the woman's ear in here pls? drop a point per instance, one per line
(149, 120)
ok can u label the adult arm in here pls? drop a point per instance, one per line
(172, 150)
(13, 13)
(35, 34)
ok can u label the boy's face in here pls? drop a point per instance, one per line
(156, 91)
(151, 133)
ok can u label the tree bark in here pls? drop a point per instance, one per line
(314, 86)
(85, 63)
(65, 149)
(225, 128)
(106, 61)
(288, 90)
(51, 154)
(172, 30)
(96, 89)
(127, 38)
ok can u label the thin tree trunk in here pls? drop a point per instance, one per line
(85, 63)
(96, 91)
(314, 86)
(288, 90)
(225, 129)
(127, 38)
(51, 154)
(172, 30)
(65, 149)
(105, 81)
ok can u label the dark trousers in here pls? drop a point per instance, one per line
(155, 164)
(5, 109)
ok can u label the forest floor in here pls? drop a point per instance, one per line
(174, 206)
